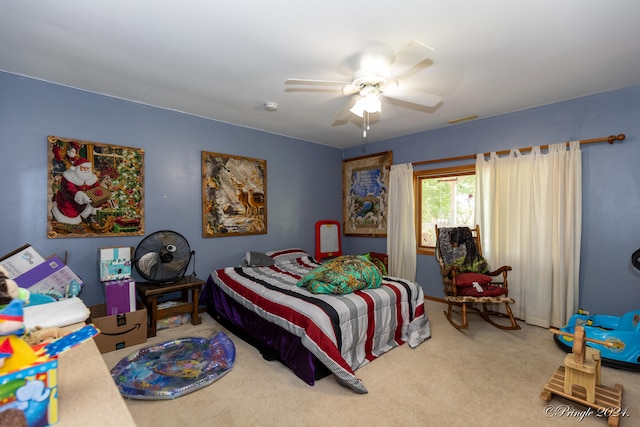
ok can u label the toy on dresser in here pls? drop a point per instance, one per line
(10, 290)
(28, 361)
(14, 351)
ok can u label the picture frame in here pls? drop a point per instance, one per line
(94, 189)
(365, 183)
(234, 195)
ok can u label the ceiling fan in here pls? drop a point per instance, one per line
(378, 75)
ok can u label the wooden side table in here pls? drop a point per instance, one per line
(150, 292)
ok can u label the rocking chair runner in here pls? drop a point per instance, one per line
(467, 279)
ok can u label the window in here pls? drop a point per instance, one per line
(445, 197)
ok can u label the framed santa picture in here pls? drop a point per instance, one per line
(94, 189)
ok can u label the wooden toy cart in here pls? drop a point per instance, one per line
(579, 380)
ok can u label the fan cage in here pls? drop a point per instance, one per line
(154, 258)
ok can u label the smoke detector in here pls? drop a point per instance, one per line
(271, 106)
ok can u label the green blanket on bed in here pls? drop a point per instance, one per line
(342, 275)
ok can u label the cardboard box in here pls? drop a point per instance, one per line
(120, 296)
(115, 263)
(50, 277)
(33, 390)
(120, 330)
(21, 260)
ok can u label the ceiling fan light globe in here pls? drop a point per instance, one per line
(372, 103)
(358, 108)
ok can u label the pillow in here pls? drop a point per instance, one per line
(466, 279)
(487, 291)
(342, 275)
(284, 255)
(375, 259)
(256, 259)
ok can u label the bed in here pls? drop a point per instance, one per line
(315, 334)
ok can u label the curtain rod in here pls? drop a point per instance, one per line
(610, 139)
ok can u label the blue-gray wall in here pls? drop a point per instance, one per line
(611, 184)
(305, 180)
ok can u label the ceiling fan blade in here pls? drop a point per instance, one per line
(410, 59)
(415, 97)
(350, 90)
(315, 82)
(317, 89)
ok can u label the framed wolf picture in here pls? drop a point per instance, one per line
(234, 195)
(365, 183)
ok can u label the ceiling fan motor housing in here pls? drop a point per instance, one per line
(364, 81)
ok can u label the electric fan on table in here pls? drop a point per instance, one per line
(162, 257)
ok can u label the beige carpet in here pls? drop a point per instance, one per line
(479, 377)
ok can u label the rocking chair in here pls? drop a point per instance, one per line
(467, 280)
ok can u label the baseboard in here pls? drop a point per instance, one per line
(436, 299)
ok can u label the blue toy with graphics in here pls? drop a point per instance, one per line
(623, 332)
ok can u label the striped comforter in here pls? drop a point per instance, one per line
(344, 332)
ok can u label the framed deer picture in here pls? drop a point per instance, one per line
(234, 195)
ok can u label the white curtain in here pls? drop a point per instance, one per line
(401, 235)
(529, 208)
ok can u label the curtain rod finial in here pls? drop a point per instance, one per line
(614, 138)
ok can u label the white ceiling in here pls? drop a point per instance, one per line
(225, 59)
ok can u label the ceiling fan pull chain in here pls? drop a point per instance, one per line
(364, 125)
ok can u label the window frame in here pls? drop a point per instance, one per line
(418, 175)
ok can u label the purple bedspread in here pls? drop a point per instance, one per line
(272, 341)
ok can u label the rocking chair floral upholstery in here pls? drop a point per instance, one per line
(466, 278)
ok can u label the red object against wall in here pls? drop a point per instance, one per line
(328, 239)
